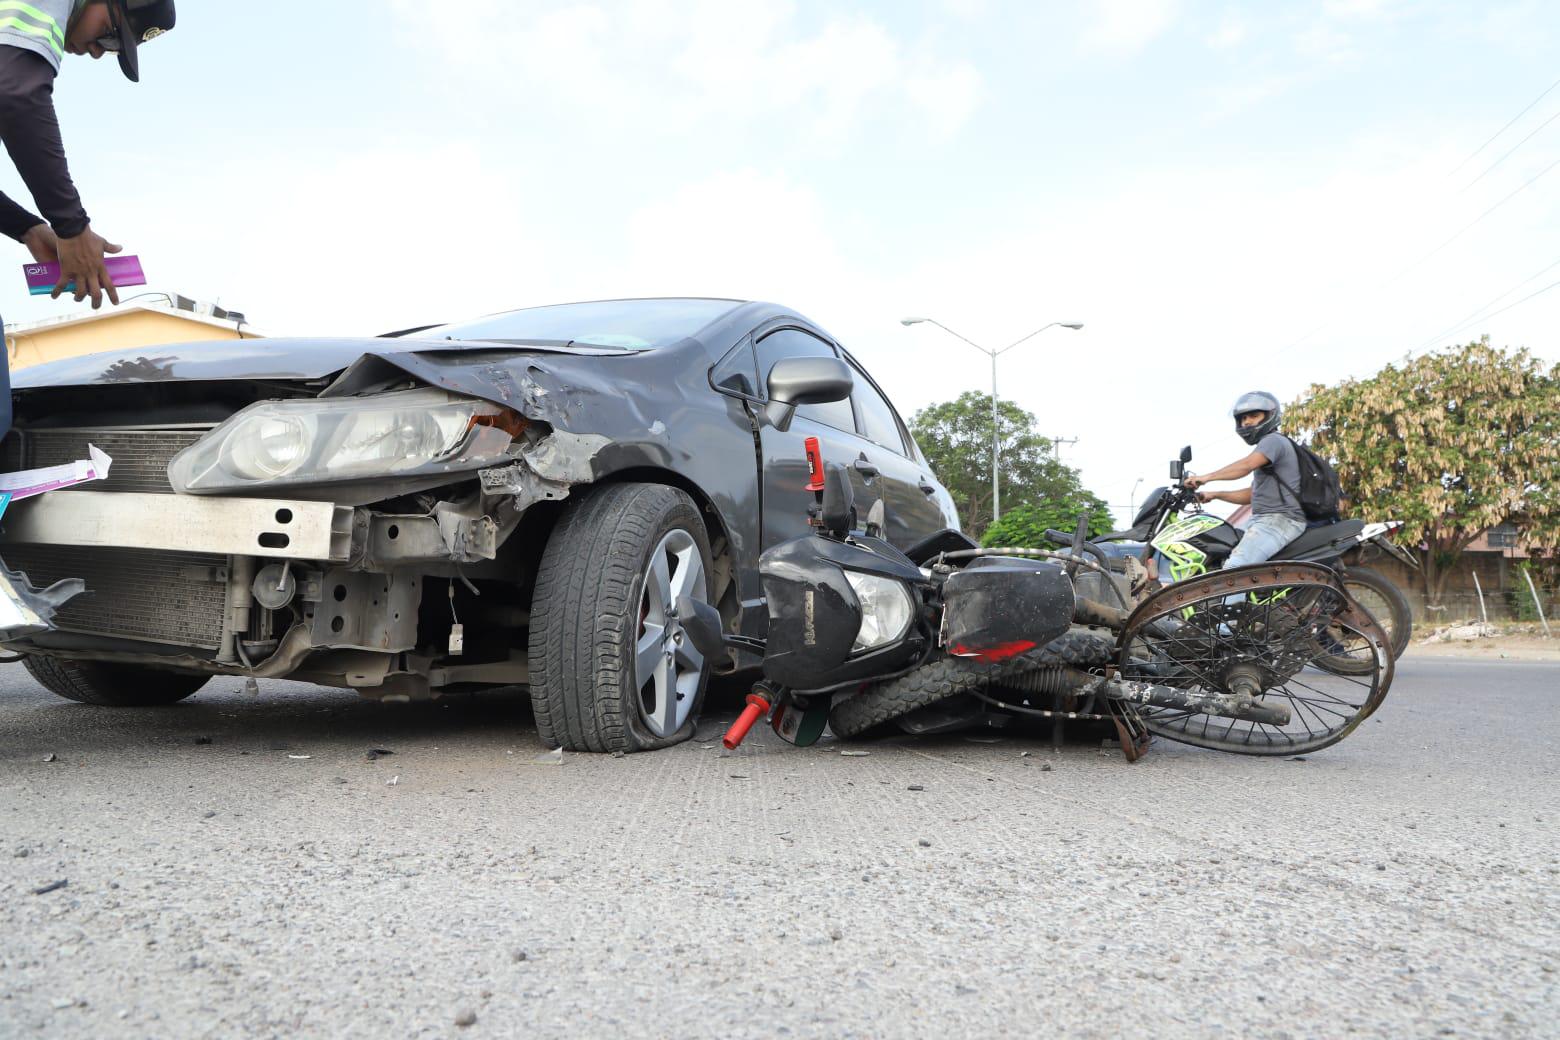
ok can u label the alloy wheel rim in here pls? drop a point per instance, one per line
(667, 667)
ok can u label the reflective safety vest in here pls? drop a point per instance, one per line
(37, 26)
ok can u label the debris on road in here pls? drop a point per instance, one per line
(549, 758)
(466, 1018)
(375, 754)
(854, 753)
(53, 886)
(393, 780)
(925, 843)
(915, 787)
(300, 758)
(51, 757)
(1461, 633)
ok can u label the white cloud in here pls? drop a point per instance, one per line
(1232, 32)
(692, 63)
(1122, 28)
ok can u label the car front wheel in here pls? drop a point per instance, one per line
(612, 668)
(110, 684)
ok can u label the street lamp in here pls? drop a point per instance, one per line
(996, 501)
(1132, 501)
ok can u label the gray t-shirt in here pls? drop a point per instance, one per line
(37, 26)
(1267, 495)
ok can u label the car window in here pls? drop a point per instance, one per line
(786, 343)
(734, 372)
(878, 422)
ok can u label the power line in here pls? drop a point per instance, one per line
(1513, 148)
(1458, 234)
(1524, 299)
(1473, 315)
(1503, 129)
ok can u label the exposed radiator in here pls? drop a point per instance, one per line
(140, 457)
(164, 597)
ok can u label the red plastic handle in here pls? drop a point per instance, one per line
(814, 465)
(757, 708)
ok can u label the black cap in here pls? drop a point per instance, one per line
(136, 22)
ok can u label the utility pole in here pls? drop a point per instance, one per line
(1056, 446)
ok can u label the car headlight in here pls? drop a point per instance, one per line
(885, 610)
(314, 441)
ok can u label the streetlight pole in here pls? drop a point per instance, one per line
(996, 492)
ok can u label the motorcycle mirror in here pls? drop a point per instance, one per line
(1177, 469)
(1186, 454)
(702, 623)
(838, 512)
(877, 516)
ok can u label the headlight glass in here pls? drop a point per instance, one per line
(886, 610)
(399, 434)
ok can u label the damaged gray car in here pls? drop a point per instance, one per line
(527, 500)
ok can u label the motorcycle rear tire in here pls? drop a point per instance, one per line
(861, 713)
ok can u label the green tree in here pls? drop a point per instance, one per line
(1452, 443)
(955, 437)
(1026, 525)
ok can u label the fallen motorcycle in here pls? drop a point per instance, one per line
(946, 636)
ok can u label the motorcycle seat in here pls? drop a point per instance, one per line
(1317, 537)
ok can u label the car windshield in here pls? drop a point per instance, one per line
(620, 324)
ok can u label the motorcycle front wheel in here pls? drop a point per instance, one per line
(1382, 600)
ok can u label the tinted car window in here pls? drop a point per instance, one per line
(796, 343)
(626, 324)
(878, 423)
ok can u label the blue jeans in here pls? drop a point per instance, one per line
(1265, 535)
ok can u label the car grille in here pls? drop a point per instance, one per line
(164, 597)
(140, 457)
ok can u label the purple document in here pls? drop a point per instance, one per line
(41, 278)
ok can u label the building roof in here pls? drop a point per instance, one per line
(80, 318)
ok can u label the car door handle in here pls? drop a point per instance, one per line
(927, 489)
(865, 468)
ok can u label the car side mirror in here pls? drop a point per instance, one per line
(804, 380)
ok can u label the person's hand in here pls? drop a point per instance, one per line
(1193, 483)
(81, 261)
(41, 243)
(1207, 496)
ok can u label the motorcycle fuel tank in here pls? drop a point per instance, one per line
(1001, 606)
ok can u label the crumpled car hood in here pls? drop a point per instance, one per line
(268, 359)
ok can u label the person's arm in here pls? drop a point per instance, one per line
(31, 134)
(1239, 497)
(1234, 471)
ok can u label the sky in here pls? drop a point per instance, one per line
(1229, 196)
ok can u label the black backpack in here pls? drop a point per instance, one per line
(1319, 492)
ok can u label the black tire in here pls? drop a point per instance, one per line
(110, 684)
(586, 617)
(946, 677)
(1374, 591)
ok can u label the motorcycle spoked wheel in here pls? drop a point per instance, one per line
(1267, 623)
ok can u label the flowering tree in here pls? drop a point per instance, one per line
(1452, 443)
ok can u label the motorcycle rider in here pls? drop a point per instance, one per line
(1276, 516)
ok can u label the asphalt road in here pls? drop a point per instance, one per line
(237, 867)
